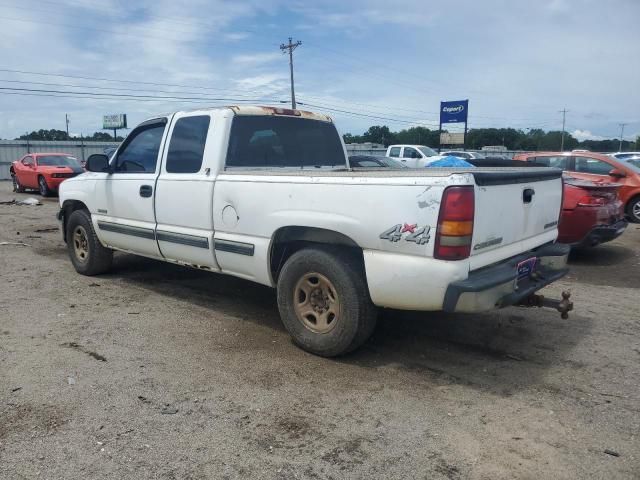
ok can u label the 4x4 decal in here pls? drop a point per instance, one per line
(419, 235)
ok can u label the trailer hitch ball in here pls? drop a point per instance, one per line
(563, 306)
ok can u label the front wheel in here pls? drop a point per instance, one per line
(17, 187)
(324, 302)
(87, 254)
(633, 210)
(45, 191)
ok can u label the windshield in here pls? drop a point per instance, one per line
(633, 163)
(624, 156)
(58, 161)
(429, 152)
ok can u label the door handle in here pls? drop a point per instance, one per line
(527, 195)
(146, 191)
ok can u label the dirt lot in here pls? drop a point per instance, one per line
(157, 371)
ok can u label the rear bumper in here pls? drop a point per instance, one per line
(498, 286)
(603, 233)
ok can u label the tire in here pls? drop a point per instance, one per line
(324, 302)
(44, 189)
(87, 254)
(633, 209)
(17, 188)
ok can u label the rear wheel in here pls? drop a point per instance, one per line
(17, 187)
(45, 191)
(633, 209)
(87, 254)
(324, 302)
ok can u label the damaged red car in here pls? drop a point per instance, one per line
(592, 213)
(43, 172)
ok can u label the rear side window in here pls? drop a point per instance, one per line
(270, 141)
(186, 147)
(394, 152)
(591, 165)
(561, 162)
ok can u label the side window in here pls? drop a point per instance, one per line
(394, 152)
(410, 153)
(591, 165)
(561, 162)
(187, 144)
(140, 154)
(27, 161)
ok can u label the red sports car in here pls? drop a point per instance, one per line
(43, 171)
(592, 213)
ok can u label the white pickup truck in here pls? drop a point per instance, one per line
(267, 194)
(413, 156)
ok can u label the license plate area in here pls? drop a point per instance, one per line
(526, 268)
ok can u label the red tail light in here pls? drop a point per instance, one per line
(455, 224)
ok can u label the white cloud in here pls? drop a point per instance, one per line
(255, 59)
(585, 135)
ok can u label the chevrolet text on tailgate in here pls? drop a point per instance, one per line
(266, 194)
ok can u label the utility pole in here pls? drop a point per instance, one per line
(291, 47)
(622, 125)
(564, 117)
(66, 120)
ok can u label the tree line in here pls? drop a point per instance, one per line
(533, 139)
(60, 135)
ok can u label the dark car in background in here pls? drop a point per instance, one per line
(372, 161)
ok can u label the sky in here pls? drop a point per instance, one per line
(364, 62)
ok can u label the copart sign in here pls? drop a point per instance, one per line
(454, 112)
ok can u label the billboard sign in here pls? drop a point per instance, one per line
(447, 138)
(114, 121)
(454, 112)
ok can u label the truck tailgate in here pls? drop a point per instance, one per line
(515, 211)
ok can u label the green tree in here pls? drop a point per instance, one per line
(42, 134)
(552, 141)
(103, 137)
(379, 134)
(418, 136)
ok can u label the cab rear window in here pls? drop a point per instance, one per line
(270, 141)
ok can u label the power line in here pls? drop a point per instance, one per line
(103, 79)
(366, 115)
(26, 82)
(123, 95)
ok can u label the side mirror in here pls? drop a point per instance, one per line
(615, 173)
(97, 162)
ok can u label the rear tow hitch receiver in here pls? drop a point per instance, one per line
(563, 306)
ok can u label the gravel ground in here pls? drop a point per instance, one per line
(158, 371)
